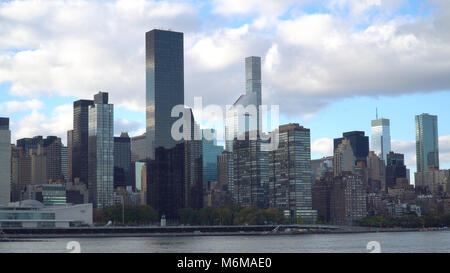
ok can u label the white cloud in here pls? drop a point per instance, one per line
(10, 107)
(323, 146)
(36, 123)
(75, 48)
(129, 126)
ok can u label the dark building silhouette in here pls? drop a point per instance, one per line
(80, 140)
(29, 143)
(359, 143)
(395, 168)
(122, 161)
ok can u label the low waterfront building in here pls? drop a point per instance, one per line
(33, 214)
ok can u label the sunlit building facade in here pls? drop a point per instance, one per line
(381, 137)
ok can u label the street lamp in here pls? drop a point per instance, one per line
(123, 210)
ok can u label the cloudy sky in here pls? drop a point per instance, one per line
(328, 64)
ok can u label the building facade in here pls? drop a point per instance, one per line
(359, 143)
(122, 161)
(250, 173)
(101, 152)
(80, 136)
(427, 142)
(381, 137)
(5, 162)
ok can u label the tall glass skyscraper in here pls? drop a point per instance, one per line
(5, 162)
(174, 172)
(101, 152)
(381, 137)
(164, 86)
(427, 142)
(80, 140)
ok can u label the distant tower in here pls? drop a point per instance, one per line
(427, 142)
(236, 124)
(5, 162)
(381, 137)
(101, 151)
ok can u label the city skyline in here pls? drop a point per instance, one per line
(331, 117)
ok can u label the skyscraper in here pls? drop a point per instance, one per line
(173, 166)
(65, 163)
(359, 143)
(138, 148)
(251, 173)
(80, 139)
(427, 142)
(101, 151)
(51, 147)
(69, 155)
(225, 171)
(164, 86)
(5, 162)
(122, 161)
(239, 122)
(395, 168)
(210, 152)
(381, 137)
(290, 174)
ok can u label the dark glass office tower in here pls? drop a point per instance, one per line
(164, 84)
(122, 161)
(359, 143)
(167, 173)
(80, 139)
(395, 168)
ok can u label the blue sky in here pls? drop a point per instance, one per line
(328, 64)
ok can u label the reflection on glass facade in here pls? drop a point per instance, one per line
(359, 143)
(381, 137)
(427, 142)
(210, 153)
(101, 151)
(80, 139)
(165, 86)
(290, 175)
(5, 161)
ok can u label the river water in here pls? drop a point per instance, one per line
(396, 242)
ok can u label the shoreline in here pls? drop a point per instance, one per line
(21, 237)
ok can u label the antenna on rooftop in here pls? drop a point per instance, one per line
(376, 112)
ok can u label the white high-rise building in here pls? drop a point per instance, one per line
(237, 120)
(5, 162)
(381, 137)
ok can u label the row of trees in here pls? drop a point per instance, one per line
(133, 215)
(409, 221)
(231, 215)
